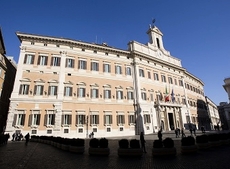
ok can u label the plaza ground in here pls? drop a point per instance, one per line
(16, 155)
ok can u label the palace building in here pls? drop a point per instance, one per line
(70, 88)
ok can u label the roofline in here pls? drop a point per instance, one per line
(2, 42)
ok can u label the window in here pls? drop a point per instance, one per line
(170, 80)
(69, 63)
(107, 93)
(38, 89)
(94, 93)
(118, 69)
(94, 119)
(34, 119)
(94, 66)
(149, 75)
(130, 95)
(82, 64)
(143, 95)
(183, 101)
(128, 71)
(108, 129)
(106, 68)
(107, 119)
(66, 130)
(52, 90)
(119, 94)
(33, 131)
(151, 97)
(29, 59)
(156, 77)
(80, 130)
(24, 89)
(81, 91)
(175, 81)
(42, 60)
(181, 83)
(66, 119)
(49, 131)
(163, 78)
(120, 119)
(68, 91)
(131, 119)
(147, 118)
(50, 119)
(141, 73)
(55, 61)
(80, 119)
(19, 119)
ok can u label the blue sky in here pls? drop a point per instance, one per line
(195, 31)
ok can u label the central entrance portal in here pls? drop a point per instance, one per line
(171, 124)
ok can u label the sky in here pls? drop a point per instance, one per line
(195, 31)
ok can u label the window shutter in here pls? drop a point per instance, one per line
(76, 122)
(79, 64)
(71, 91)
(97, 119)
(46, 59)
(91, 93)
(20, 90)
(27, 89)
(52, 59)
(104, 119)
(96, 93)
(15, 119)
(64, 91)
(30, 119)
(25, 58)
(70, 119)
(39, 58)
(84, 121)
(59, 60)
(23, 120)
(55, 93)
(144, 119)
(111, 119)
(45, 119)
(91, 120)
(53, 119)
(38, 119)
(35, 90)
(41, 92)
(49, 90)
(73, 63)
(62, 119)
(83, 92)
(66, 62)
(129, 120)
(32, 61)
(123, 119)
(117, 119)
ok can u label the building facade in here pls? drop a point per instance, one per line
(70, 88)
(7, 75)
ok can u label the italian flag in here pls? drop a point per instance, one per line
(166, 95)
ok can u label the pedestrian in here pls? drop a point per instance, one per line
(92, 134)
(142, 139)
(27, 137)
(190, 129)
(13, 137)
(176, 132)
(182, 133)
(159, 135)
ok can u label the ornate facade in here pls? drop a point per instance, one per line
(70, 88)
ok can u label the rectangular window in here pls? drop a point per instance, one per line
(81, 92)
(38, 89)
(24, 89)
(52, 90)
(94, 119)
(149, 75)
(107, 94)
(156, 77)
(80, 119)
(50, 119)
(80, 130)
(151, 97)
(128, 71)
(68, 91)
(69, 63)
(163, 78)
(118, 69)
(120, 119)
(106, 68)
(49, 131)
(36, 119)
(131, 119)
(143, 96)
(175, 81)
(141, 73)
(42, 60)
(119, 95)
(94, 93)
(130, 95)
(29, 59)
(66, 119)
(66, 130)
(170, 80)
(20, 119)
(147, 118)
(82, 64)
(181, 83)
(107, 119)
(55, 61)
(94, 66)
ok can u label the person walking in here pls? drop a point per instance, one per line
(182, 133)
(142, 139)
(27, 137)
(176, 132)
(159, 134)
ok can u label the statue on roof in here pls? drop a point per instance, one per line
(152, 25)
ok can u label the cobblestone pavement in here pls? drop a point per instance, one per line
(16, 155)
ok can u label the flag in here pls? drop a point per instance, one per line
(166, 95)
(172, 96)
